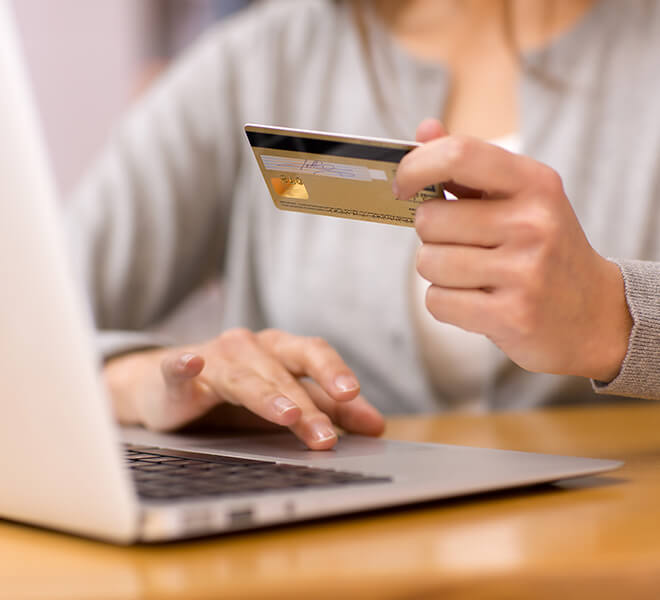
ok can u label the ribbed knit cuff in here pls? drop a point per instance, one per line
(640, 372)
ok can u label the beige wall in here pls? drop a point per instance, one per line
(85, 59)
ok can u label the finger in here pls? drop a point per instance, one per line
(470, 222)
(315, 358)
(178, 369)
(242, 385)
(464, 267)
(429, 129)
(356, 416)
(466, 161)
(313, 426)
(187, 396)
(260, 382)
(315, 431)
(468, 309)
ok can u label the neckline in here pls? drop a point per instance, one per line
(564, 38)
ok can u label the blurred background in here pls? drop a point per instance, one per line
(89, 59)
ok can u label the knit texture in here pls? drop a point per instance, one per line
(177, 195)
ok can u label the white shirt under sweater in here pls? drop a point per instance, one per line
(460, 364)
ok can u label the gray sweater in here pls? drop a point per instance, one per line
(177, 194)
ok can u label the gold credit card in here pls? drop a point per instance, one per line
(335, 175)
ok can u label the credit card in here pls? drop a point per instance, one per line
(335, 175)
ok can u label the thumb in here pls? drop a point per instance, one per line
(429, 129)
(187, 396)
(179, 370)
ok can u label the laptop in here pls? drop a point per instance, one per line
(65, 465)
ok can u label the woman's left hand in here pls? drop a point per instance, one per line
(510, 260)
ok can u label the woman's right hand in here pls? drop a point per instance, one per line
(296, 382)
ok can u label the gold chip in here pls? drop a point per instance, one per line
(289, 187)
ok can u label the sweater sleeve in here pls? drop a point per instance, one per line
(148, 223)
(640, 372)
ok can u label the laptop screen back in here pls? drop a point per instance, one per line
(59, 462)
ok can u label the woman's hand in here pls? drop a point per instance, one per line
(510, 260)
(296, 382)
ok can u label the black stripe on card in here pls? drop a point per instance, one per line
(333, 148)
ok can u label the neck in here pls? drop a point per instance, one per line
(434, 28)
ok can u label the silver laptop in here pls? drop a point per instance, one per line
(65, 465)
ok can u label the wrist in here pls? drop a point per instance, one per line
(127, 381)
(614, 325)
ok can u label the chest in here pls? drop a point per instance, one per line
(482, 96)
(323, 274)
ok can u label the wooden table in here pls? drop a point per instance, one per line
(591, 538)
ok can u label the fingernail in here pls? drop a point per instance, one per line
(346, 383)
(322, 432)
(184, 359)
(283, 405)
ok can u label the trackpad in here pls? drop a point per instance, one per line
(280, 445)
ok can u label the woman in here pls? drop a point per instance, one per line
(319, 310)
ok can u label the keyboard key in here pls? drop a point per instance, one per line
(169, 475)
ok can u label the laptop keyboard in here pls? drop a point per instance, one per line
(172, 475)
